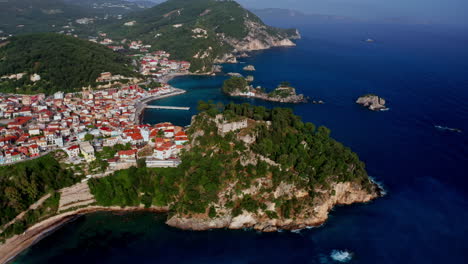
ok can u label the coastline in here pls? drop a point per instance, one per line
(296, 99)
(19, 243)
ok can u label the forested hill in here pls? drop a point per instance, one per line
(272, 170)
(199, 30)
(63, 63)
(23, 16)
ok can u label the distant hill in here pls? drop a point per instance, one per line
(112, 7)
(27, 16)
(63, 63)
(201, 31)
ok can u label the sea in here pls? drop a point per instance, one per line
(417, 150)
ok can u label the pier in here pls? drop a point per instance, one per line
(167, 107)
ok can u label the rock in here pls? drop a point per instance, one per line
(249, 78)
(243, 55)
(217, 68)
(234, 74)
(371, 101)
(249, 68)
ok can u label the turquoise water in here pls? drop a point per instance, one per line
(422, 71)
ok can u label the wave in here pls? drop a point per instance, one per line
(341, 255)
(296, 231)
(383, 192)
(448, 128)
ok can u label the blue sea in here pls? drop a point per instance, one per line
(422, 72)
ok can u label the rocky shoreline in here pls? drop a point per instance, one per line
(293, 99)
(345, 194)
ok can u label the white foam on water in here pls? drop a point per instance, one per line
(296, 231)
(341, 255)
(380, 184)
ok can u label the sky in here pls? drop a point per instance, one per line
(433, 11)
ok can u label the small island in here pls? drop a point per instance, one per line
(249, 68)
(284, 93)
(372, 102)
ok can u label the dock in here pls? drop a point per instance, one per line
(167, 107)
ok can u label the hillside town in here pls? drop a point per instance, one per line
(82, 124)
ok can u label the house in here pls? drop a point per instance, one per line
(180, 138)
(109, 142)
(16, 156)
(34, 130)
(88, 151)
(73, 151)
(58, 140)
(127, 154)
(165, 151)
(34, 150)
(169, 133)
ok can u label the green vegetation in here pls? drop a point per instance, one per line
(27, 16)
(47, 209)
(64, 63)
(155, 26)
(240, 85)
(235, 84)
(24, 183)
(101, 164)
(304, 156)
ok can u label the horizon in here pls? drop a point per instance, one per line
(452, 12)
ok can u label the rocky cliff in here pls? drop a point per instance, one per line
(259, 37)
(310, 216)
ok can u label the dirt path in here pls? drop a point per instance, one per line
(33, 206)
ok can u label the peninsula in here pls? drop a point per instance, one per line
(284, 93)
(241, 167)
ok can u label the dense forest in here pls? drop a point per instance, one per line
(24, 183)
(64, 63)
(28, 16)
(304, 155)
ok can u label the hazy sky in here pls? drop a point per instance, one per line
(438, 11)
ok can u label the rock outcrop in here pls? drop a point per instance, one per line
(249, 68)
(371, 101)
(311, 215)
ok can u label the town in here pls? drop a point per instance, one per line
(84, 123)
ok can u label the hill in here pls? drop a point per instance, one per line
(28, 16)
(63, 63)
(112, 7)
(247, 166)
(201, 31)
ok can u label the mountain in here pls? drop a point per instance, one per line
(27, 16)
(201, 31)
(63, 63)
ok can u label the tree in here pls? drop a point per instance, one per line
(212, 212)
(88, 137)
